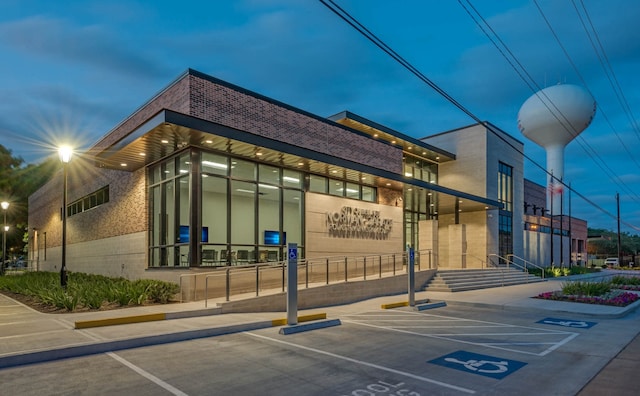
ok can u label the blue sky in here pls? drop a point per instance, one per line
(74, 69)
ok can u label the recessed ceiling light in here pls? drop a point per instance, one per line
(123, 164)
(300, 163)
(143, 154)
(208, 141)
(334, 171)
(388, 184)
(393, 142)
(258, 153)
(164, 141)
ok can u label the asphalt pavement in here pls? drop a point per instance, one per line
(28, 336)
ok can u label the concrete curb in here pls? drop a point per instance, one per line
(86, 324)
(310, 326)
(117, 345)
(432, 305)
(137, 342)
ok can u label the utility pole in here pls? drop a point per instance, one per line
(619, 243)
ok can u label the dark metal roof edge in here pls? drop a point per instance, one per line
(400, 135)
(246, 137)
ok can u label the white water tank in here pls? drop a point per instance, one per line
(553, 117)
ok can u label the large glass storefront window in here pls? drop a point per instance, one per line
(169, 209)
(246, 212)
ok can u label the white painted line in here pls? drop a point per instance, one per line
(447, 327)
(29, 335)
(147, 375)
(467, 342)
(361, 362)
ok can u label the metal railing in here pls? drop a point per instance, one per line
(509, 262)
(526, 263)
(257, 279)
(482, 261)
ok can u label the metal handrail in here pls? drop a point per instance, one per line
(526, 270)
(351, 267)
(475, 257)
(526, 262)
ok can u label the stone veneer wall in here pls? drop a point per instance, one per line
(319, 243)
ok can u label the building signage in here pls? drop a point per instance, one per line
(358, 223)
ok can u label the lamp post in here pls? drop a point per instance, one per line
(5, 206)
(65, 153)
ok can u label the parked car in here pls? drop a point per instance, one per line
(611, 261)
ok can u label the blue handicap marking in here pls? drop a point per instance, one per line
(488, 366)
(574, 324)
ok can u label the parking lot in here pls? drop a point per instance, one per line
(451, 350)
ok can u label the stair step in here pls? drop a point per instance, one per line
(464, 280)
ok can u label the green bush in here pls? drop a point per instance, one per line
(88, 290)
(579, 288)
(625, 280)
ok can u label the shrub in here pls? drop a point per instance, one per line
(87, 290)
(586, 288)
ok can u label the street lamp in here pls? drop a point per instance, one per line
(5, 206)
(65, 154)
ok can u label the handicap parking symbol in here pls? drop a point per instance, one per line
(488, 366)
(574, 324)
(293, 254)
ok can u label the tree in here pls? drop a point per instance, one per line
(17, 183)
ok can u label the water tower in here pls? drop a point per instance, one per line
(552, 118)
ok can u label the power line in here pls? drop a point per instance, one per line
(616, 179)
(353, 22)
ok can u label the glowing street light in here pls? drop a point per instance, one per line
(5, 206)
(65, 153)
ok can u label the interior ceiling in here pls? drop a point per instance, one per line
(166, 139)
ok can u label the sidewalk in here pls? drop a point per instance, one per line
(29, 336)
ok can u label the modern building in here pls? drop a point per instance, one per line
(210, 174)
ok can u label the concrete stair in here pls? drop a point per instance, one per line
(472, 279)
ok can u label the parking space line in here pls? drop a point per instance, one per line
(363, 363)
(147, 375)
(362, 319)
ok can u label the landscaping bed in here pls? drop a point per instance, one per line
(84, 292)
(617, 291)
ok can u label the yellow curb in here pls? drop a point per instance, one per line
(395, 305)
(304, 318)
(84, 324)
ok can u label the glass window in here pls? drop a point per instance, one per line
(317, 184)
(292, 215)
(505, 186)
(243, 212)
(243, 169)
(184, 164)
(214, 209)
(352, 190)
(168, 169)
(268, 214)
(291, 178)
(169, 212)
(336, 187)
(215, 164)
(368, 194)
(156, 219)
(269, 174)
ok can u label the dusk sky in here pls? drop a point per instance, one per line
(72, 70)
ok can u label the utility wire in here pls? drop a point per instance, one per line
(344, 15)
(606, 65)
(605, 167)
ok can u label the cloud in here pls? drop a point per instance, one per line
(60, 40)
